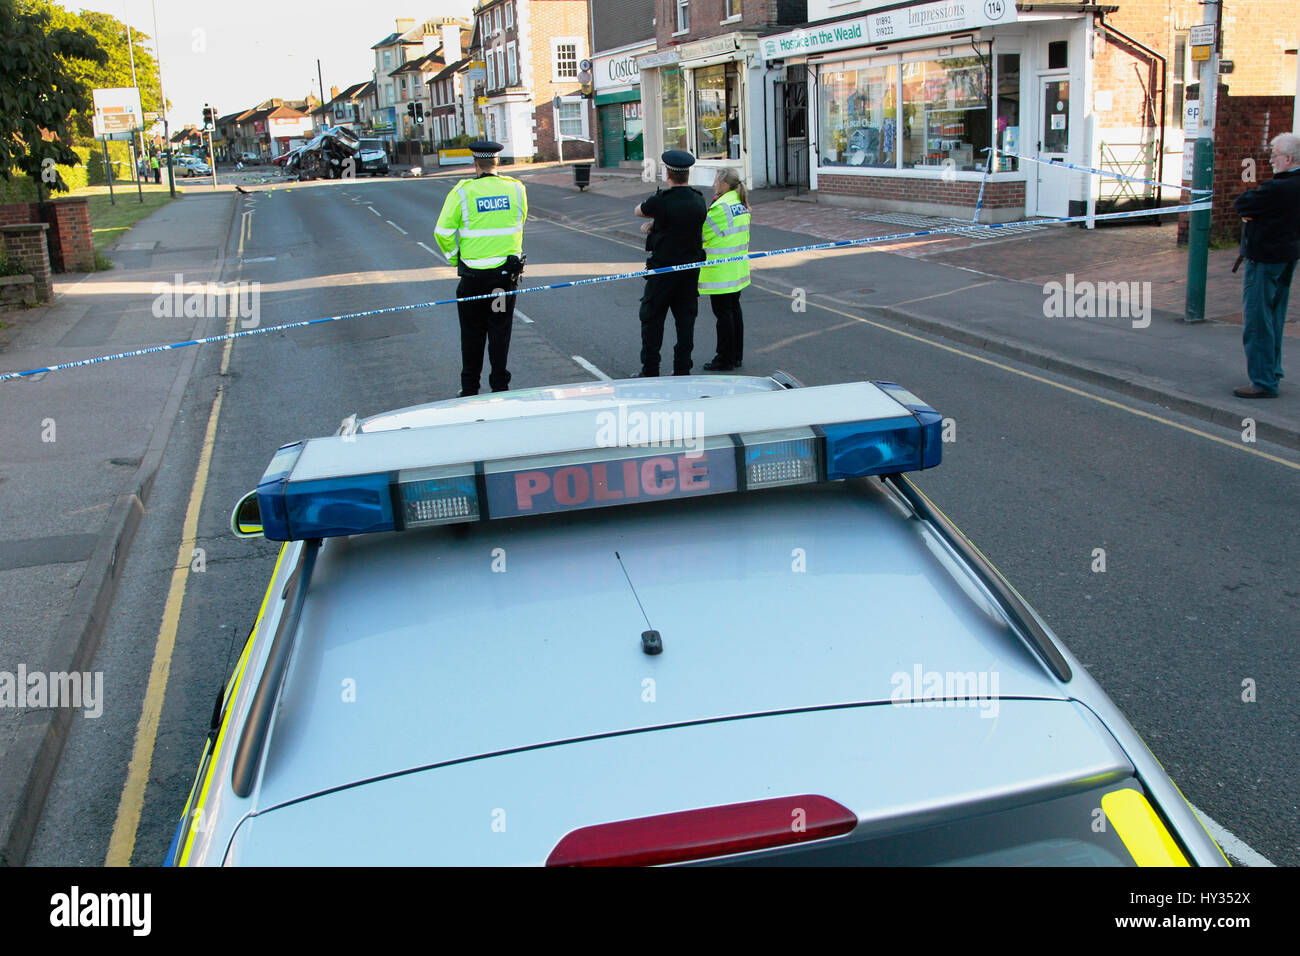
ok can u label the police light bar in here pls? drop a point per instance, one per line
(446, 474)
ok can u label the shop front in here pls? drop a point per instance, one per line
(917, 109)
(617, 82)
(700, 97)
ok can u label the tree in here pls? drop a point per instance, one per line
(113, 73)
(39, 90)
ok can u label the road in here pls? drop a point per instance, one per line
(1190, 626)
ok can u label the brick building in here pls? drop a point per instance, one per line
(531, 51)
(706, 89)
(907, 99)
(621, 31)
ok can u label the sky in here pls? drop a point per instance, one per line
(233, 54)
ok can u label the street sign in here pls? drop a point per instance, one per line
(584, 66)
(117, 112)
(1202, 35)
(1201, 53)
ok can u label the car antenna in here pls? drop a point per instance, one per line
(651, 641)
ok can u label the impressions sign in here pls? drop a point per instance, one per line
(904, 23)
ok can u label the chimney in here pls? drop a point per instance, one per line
(450, 42)
(334, 92)
(404, 25)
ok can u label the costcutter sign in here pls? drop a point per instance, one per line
(904, 23)
(617, 71)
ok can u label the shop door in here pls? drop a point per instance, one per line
(633, 132)
(1053, 182)
(611, 134)
(792, 128)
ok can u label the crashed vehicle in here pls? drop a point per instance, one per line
(329, 155)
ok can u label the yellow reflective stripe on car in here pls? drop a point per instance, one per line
(196, 812)
(1142, 831)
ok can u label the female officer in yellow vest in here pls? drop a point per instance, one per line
(726, 233)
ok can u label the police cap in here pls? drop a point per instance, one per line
(678, 160)
(485, 149)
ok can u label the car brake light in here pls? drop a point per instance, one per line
(703, 833)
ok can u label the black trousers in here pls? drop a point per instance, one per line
(677, 291)
(485, 321)
(731, 327)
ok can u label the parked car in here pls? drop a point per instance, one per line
(250, 159)
(733, 631)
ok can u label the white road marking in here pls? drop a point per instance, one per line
(522, 318)
(589, 367)
(375, 211)
(433, 252)
(397, 227)
(1234, 846)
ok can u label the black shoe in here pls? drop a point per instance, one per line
(1250, 391)
(644, 374)
(717, 365)
(465, 394)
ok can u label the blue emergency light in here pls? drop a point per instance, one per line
(446, 474)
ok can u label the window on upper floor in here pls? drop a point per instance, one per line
(564, 58)
(510, 15)
(388, 59)
(683, 16)
(491, 73)
(730, 8)
(512, 63)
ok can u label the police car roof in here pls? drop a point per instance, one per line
(556, 399)
(476, 639)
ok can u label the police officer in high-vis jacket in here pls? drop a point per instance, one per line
(726, 234)
(673, 239)
(481, 231)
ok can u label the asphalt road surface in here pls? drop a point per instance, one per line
(1197, 603)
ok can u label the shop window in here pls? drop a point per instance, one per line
(1179, 65)
(945, 113)
(1058, 57)
(1008, 129)
(859, 121)
(673, 92)
(717, 112)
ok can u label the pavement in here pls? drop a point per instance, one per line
(82, 447)
(81, 450)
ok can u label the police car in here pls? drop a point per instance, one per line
(680, 620)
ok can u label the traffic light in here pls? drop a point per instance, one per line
(209, 117)
(410, 110)
(419, 111)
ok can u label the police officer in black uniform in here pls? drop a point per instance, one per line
(675, 238)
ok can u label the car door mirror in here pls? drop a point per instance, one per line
(246, 519)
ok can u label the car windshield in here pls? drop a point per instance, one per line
(371, 145)
(1052, 832)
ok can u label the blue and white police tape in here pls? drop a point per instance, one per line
(1105, 173)
(816, 247)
